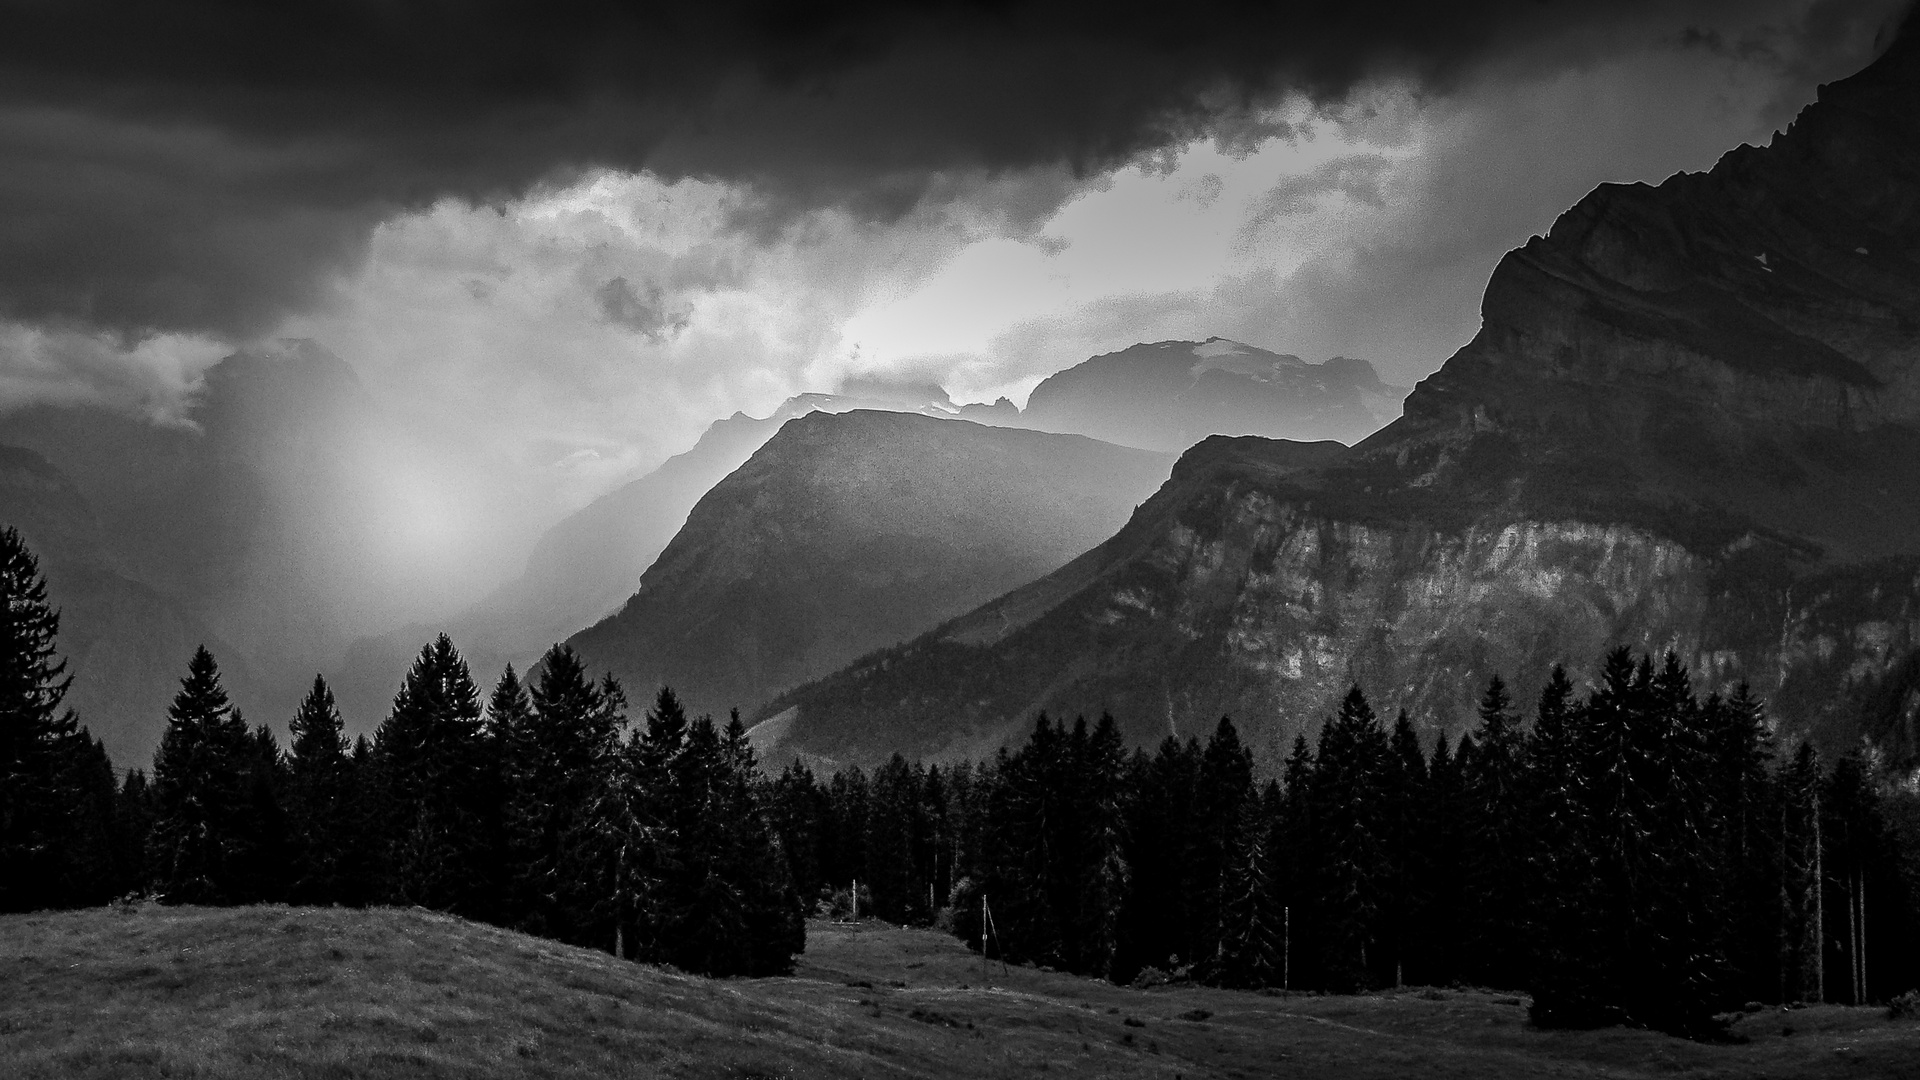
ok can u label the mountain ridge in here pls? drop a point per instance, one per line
(1658, 438)
(850, 531)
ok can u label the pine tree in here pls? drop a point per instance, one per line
(319, 794)
(717, 902)
(1442, 958)
(1802, 938)
(442, 799)
(1682, 925)
(1349, 775)
(891, 812)
(797, 807)
(1405, 892)
(266, 866)
(94, 865)
(1642, 941)
(1740, 749)
(39, 741)
(1249, 955)
(1295, 860)
(1494, 785)
(1559, 866)
(775, 909)
(1859, 869)
(204, 833)
(1109, 876)
(1222, 797)
(510, 727)
(133, 819)
(1032, 850)
(1158, 913)
(557, 756)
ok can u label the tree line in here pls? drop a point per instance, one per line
(541, 809)
(1631, 854)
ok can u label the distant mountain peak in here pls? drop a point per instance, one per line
(1168, 395)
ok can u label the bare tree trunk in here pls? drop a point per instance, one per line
(1865, 996)
(1819, 910)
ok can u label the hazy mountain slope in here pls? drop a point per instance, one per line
(1691, 419)
(853, 531)
(1171, 394)
(278, 517)
(587, 565)
(125, 644)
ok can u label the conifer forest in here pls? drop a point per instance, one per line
(1628, 852)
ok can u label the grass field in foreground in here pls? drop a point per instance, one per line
(275, 991)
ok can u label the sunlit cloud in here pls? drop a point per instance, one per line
(560, 343)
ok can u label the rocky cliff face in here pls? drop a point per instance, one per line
(1691, 420)
(849, 532)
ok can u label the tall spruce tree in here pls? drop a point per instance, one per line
(1294, 851)
(442, 790)
(1033, 856)
(1224, 794)
(1249, 952)
(1405, 894)
(1742, 800)
(319, 801)
(557, 755)
(205, 832)
(40, 743)
(1350, 851)
(133, 819)
(1800, 854)
(1561, 921)
(775, 913)
(797, 808)
(1495, 904)
(510, 727)
(1105, 817)
(94, 866)
(1441, 952)
(1156, 919)
(890, 825)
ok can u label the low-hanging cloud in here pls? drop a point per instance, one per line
(209, 167)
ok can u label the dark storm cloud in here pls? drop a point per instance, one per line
(205, 165)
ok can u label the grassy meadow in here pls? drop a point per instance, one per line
(303, 992)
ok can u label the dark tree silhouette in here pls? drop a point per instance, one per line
(441, 811)
(48, 815)
(320, 789)
(205, 830)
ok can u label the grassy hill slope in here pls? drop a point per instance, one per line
(298, 992)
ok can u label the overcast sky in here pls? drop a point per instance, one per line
(568, 235)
